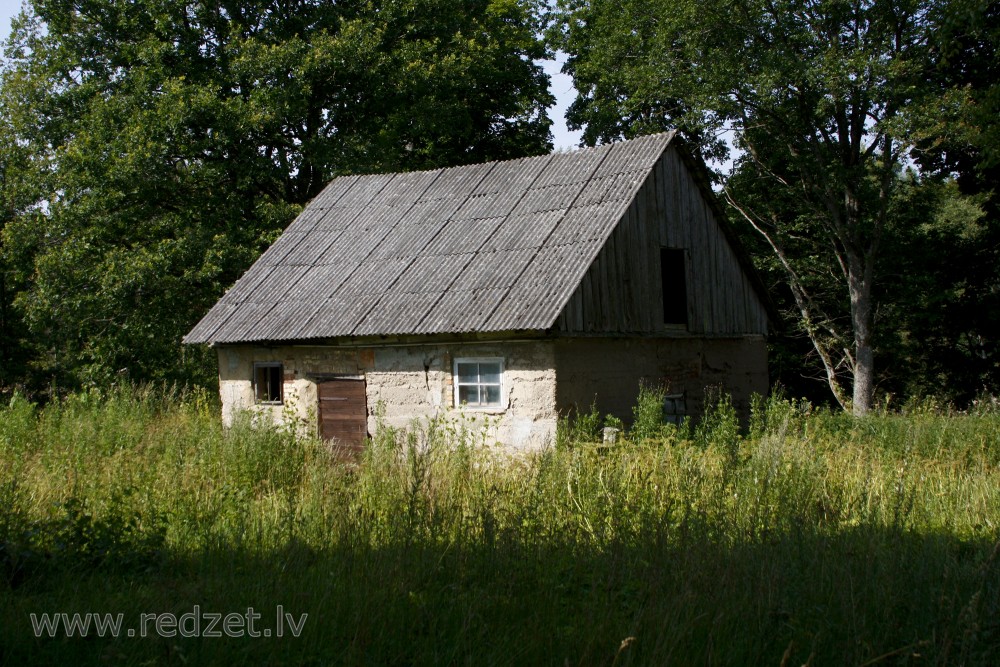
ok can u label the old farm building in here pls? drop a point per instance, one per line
(523, 289)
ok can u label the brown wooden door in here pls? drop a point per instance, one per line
(343, 412)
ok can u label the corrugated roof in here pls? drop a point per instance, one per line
(487, 247)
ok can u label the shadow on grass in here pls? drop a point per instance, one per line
(662, 596)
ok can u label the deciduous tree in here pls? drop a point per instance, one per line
(824, 99)
(174, 139)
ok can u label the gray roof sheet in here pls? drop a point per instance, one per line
(487, 247)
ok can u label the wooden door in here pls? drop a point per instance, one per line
(343, 412)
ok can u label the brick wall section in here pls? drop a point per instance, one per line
(610, 370)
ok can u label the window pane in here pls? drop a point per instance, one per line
(260, 383)
(489, 373)
(267, 381)
(468, 394)
(274, 384)
(468, 372)
(492, 392)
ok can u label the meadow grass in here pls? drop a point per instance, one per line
(811, 538)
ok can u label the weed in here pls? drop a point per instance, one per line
(647, 415)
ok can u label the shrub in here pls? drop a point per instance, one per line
(647, 415)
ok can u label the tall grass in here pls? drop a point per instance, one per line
(815, 538)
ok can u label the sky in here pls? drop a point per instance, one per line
(561, 84)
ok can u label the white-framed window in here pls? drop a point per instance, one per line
(479, 382)
(268, 377)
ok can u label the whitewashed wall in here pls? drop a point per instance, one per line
(410, 381)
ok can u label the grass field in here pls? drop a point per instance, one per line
(813, 538)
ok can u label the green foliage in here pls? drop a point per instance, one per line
(939, 294)
(72, 539)
(151, 151)
(719, 426)
(966, 46)
(581, 427)
(647, 415)
(438, 547)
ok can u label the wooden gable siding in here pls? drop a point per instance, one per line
(621, 291)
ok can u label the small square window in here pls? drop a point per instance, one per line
(267, 382)
(674, 409)
(479, 382)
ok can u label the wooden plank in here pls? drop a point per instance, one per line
(660, 240)
(749, 306)
(620, 285)
(711, 284)
(577, 323)
(661, 201)
(719, 284)
(701, 284)
(621, 276)
(343, 413)
(609, 295)
(589, 322)
(669, 199)
(736, 300)
(635, 264)
(657, 241)
(626, 270)
(712, 276)
(648, 241)
(682, 237)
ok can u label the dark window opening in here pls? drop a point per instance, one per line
(674, 409)
(267, 379)
(673, 277)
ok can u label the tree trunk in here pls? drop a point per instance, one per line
(860, 284)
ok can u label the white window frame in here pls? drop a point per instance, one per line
(499, 405)
(257, 365)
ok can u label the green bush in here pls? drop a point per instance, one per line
(647, 415)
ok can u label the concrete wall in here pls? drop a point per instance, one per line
(610, 370)
(411, 381)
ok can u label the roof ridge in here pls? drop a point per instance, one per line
(572, 151)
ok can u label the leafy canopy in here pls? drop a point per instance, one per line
(166, 143)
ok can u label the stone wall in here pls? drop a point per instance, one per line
(409, 381)
(608, 371)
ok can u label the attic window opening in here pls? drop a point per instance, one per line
(673, 278)
(267, 382)
(479, 382)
